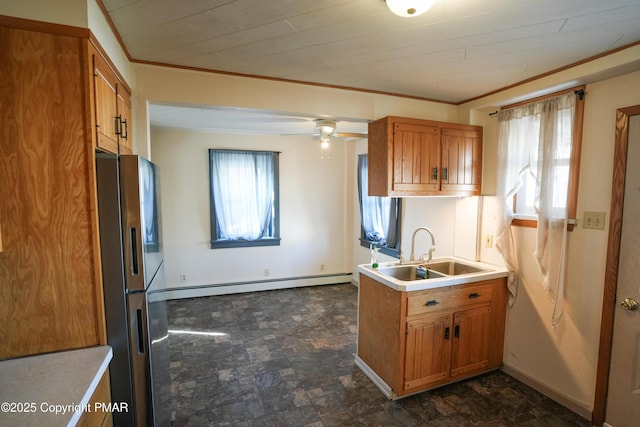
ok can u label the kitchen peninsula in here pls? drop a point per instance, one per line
(417, 333)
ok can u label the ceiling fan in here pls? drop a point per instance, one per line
(327, 129)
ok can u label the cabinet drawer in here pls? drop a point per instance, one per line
(452, 297)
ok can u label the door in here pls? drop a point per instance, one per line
(125, 145)
(428, 350)
(461, 160)
(106, 106)
(623, 397)
(140, 192)
(416, 157)
(139, 345)
(470, 351)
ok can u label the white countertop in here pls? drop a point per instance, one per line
(33, 388)
(490, 272)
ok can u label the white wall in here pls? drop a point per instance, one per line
(562, 361)
(314, 221)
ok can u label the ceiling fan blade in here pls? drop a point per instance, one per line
(349, 135)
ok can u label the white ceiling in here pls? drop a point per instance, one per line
(459, 50)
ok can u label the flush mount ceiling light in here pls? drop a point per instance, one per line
(409, 8)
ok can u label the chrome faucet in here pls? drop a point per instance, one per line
(433, 244)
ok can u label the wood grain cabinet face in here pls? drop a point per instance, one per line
(452, 344)
(461, 160)
(411, 157)
(428, 348)
(440, 335)
(50, 288)
(112, 105)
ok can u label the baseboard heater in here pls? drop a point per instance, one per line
(252, 286)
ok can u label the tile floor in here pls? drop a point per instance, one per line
(285, 358)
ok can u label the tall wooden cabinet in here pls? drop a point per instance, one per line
(412, 157)
(50, 280)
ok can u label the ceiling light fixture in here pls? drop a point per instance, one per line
(409, 8)
(326, 127)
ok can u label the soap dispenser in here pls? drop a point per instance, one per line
(374, 255)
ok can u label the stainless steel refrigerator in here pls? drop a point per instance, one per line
(133, 277)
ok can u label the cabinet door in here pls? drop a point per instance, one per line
(416, 158)
(471, 340)
(124, 116)
(461, 161)
(106, 109)
(428, 351)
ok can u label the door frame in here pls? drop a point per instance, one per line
(613, 256)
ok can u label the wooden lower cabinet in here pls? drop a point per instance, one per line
(101, 399)
(427, 357)
(430, 338)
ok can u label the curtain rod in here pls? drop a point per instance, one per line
(579, 92)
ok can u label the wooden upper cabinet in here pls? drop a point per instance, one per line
(416, 153)
(112, 108)
(461, 160)
(412, 157)
(124, 116)
(106, 106)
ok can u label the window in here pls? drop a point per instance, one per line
(244, 198)
(544, 173)
(379, 216)
(538, 165)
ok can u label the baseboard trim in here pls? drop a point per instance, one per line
(578, 407)
(374, 377)
(253, 286)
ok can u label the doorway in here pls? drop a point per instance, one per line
(617, 378)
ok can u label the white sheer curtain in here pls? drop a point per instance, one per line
(379, 215)
(243, 193)
(537, 138)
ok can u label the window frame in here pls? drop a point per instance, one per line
(574, 160)
(274, 240)
(366, 243)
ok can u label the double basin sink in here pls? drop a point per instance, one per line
(445, 271)
(432, 270)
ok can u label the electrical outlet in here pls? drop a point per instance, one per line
(321, 267)
(488, 240)
(266, 272)
(594, 220)
(183, 277)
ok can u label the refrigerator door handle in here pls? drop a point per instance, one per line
(140, 326)
(133, 242)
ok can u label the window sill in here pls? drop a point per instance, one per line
(394, 252)
(531, 222)
(525, 222)
(224, 244)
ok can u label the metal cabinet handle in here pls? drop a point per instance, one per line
(474, 295)
(125, 132)
(117, 124)
(431, 303)
(434, 174)
(446, 333)
(445, 174)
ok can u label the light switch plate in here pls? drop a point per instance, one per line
(594, 220)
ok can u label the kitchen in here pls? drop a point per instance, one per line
(563, 361)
